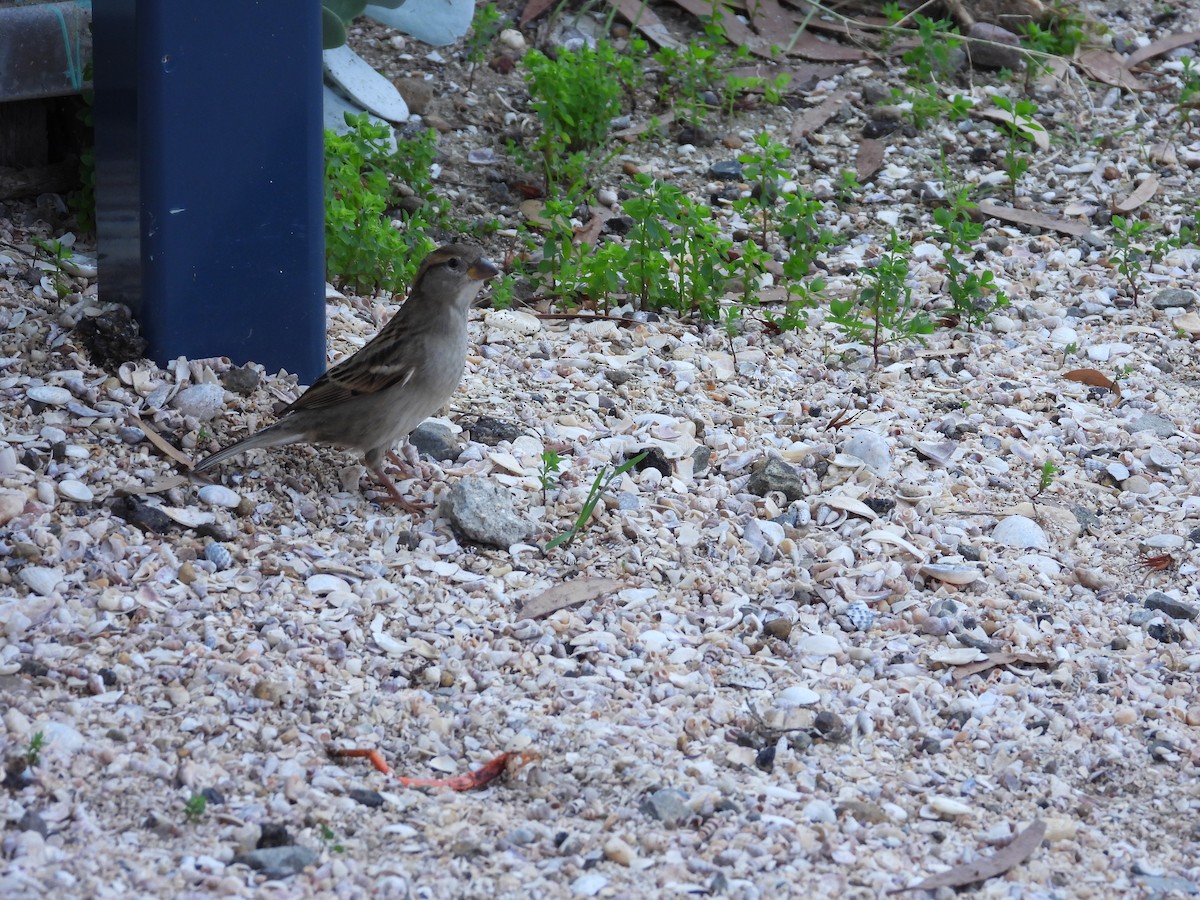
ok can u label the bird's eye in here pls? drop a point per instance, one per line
(454, 263)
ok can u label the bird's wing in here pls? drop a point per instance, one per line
(374, 368)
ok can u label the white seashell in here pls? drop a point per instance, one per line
(818, 645)
(508, 462)
(871, 448)
(201, 401)
(949, 808)
(796, 696)
(1021, 533)
(324, 584)
(50, 395)
(75, 490)
(951, 574)
(40, 579)
(654, 641)
(956, 656)
(219, 495)
(1117, 471)
(513, 320)
(189, 518)
(851, 505)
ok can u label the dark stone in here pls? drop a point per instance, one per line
(765, 759)
(111, 338)
(875, 92)
(212, 796)
(880, 126)
(491, 431)
(274, 834)
(435, 440)
(242, 380)
(726, 170)
(654, 459)
(1166, 632)
(277, 862)
(373, 799)
(689, 133)
(1173, 298)
(700, 458)
(830, 725)
(880, 505)
(618, 225)
(1176, 609)
(771, 474)
(31, 821)
(618, 377)
(994, 47)
(141, 515)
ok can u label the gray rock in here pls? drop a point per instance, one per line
(1154, 424)
(483, 513)
(1176, 609)
(1173, 298)
(668, 806)
(241, 380)
(201, 401)
(435, 440)
(277, 862)
(700, 458)
(1140, 617)
(726, 170)
(771, 474)
(991, 55)
(491, 431)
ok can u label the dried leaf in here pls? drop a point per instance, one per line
(1164, 154)
(162, 444)
(803, 77)
(566, 594)
(630, 133)
(1029, 218)
(590, 233)
(869, 158)
(812, 119)
(533, 9)
(998, 863)
(1161, 46)
(1003, 658)
(735, 30)
(1140, 195)
(1023, 124)
(772, 22)
(645, 20)
(1092, 378)
(812, 47)
(1109, 68)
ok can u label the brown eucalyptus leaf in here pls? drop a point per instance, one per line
(1140, 195)
(567, 594)
(1029, 218)
(1107, 67)
(1092, 378)
(1161, 46)
(998, 863)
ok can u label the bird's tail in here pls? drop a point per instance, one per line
(268, 437)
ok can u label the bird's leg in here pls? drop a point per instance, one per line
(399, 499)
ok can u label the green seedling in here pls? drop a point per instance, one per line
(548, 470)
(194, 807)
(1046, 478)
(1128, 255)
(974, 295)
(604, 478)
(882, 311)
(1022, 113)
(33, 752)
(485, 27)
(329, 839)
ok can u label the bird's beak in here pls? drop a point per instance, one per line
(483, 269)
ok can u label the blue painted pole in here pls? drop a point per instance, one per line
(209, 168)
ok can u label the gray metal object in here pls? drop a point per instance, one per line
(44, 48)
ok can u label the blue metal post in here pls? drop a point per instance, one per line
(209, 196)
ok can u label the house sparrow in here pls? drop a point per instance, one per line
(405, 374)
